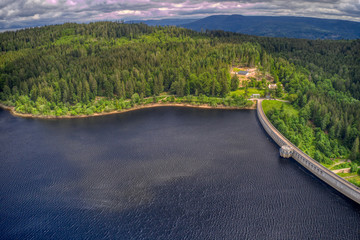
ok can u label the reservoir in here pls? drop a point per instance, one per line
(160, 173)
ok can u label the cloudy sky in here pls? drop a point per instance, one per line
(15, 13)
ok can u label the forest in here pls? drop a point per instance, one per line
(78, 63)
(87, 68)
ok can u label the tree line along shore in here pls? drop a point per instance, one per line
(108, 107)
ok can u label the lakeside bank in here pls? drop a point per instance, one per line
(136, 107)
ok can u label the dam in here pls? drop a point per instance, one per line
(288, 149)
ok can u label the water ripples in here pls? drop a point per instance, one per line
(164, 173)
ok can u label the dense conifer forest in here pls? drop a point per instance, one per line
(71, 63)
(88, 68)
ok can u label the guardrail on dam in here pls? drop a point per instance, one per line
(343, 186)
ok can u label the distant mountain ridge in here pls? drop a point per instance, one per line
(290, 27)
(269, 26)
(164, 22)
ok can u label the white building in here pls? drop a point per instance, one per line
(272, 86)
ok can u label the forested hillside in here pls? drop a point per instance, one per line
(279, 26)
(323, 79)
(74, 63)
(71, 68)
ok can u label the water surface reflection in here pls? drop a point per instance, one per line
(159, 174)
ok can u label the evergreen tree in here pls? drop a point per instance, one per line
(354, 149)
(234, 83)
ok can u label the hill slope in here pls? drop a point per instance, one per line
(291, 27)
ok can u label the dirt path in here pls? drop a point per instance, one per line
(343, 170)
(338, 163)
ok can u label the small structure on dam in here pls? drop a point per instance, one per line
(286, 151)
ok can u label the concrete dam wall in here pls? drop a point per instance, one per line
(343, 186)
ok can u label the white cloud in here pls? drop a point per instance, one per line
(36, 17)
(128, 12)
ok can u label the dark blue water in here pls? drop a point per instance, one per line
(162, 173)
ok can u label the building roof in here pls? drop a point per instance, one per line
(243, 72)
(272, 86)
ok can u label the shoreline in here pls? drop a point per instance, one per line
(138, 107)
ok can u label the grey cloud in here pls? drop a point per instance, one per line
(22, 12)
(284, 2)
(171, 1)
(5, 3)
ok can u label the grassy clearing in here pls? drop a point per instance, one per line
(341, 166)
(271, 104)
(241, 92)
(334, 163)
(354, 178)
